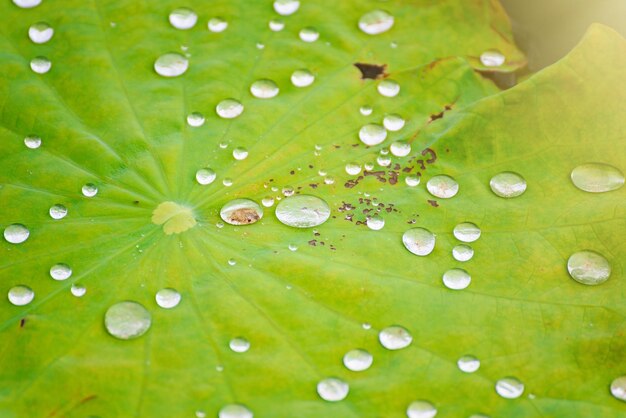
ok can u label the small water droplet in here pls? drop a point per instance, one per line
(227, 182)
(468, 364)
(239, 345)
(264, 89)
(442, 186)
(456, 279)
(241, 212)
(329, 180)
(268, 201)
(195, 119)
(388, 88)
(618, 388)
(60, 271)
(276, 25)
(509, 388)
(302, 78)
(400, 148)
(240, 153)
(57, 211)
(466, 232)
(588, 267)
(40, 32)
(127, 320)
(205, 176)
(375, 222)
(16, 233)
(232, 262)
(286, 7)
(302, 211)
(508, 184)
(223, 145)
(168, 298)
(375, 22)
(366, 110)
(293, 247)
(332, 389)
(353, 169)
(462, 252)
(235, 411)
(492, 58)
(200, 414)
(597, 177)
(421, 409)
(89, 190)
(366, 325)
(372, 134)
(183, 18)
(412, 181)
(78, 290)
(229, 108)
(259, 45)
(40, 65)
(395, 338)
(217, 24)
(309, 34)
(27, 4)
(32, 141)
(393, 122)
(171, 64)
(357, 360)
(21, 295)
(368, 166)
(419, 241)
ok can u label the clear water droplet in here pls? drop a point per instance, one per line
(21, 295)
(26, 4)
(239, 345)
(276, 25)
(400, 148)
(366, 110)
(509, 388)
(375, 222)
(442, 186)
(375, 22)
(241, 212)
(357, 360)
(235, 411)
(264, 89)
(57, 211)
(232, 262)
(32, 141)
(492, 58)
(183, 18)
(466, 232)
(229, 108)
(366, 325)
(227, 182)
(89, 190)
(268, 201)
(508, 184)
(412, 180)
(60, 271)
(302, 211)
(353, 169)
(195, 119)
(372, 134)
(597, 177)
(286, 7)
(588, 267)
(205, 176)
(16, 233)
(200, 414)
(393, 122)
(456, 279)
(618, 388)
(168, 298)
(309, 34)
(368, 166)
(462, 253)
(171, 64)
(419, 241)
(40, 32)
(388, 88)
(332, 389)
(468, 364)
(421, 409)
(240, 153)
(395, 338)
(217, 24)
(127, 320)
(259, 45)
(293, 247)
(302, 78)
(78, 290)
(40, 65)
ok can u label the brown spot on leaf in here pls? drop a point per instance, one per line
(432, 153)
(244, 216)
(22, 322)
(371, 71)
(433, 203)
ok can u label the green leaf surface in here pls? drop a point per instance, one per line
(105, 117)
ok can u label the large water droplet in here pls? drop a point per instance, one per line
(183, 18)
(205, 176)
(372, 134)
(127, 320)
(217, 25)
(618, 388)
(375, 222)
(332, 389)
(195, 119)
(588, 267)
(462, 252)
(264, 89)
(89, 190)
(388, 88)
(302, 78)
(78, 290)
(375, 22)
(466, 232)
(40, 65)
(302, 211)
(286, 7)
(395, 338)
(240, 153)
(168, 298)
(309, 34)
(393, 122)
(421, 409)
(241, 212)
(171, 64)
(27, 4)
(492, 58)
(229, 108)
(400, 148)
(60, 271)
(508, 184)
(442, 186)
(419, 241)
(21, 295)
(16, 233)
(357, 360)
(239, 345)
(57, 211)
(40, 32)
(456, 279)
(509, 388)
(32, 141)
(597, 177)
(468, 364)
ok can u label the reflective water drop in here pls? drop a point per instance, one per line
(468, 364)
(183, 18)
(240, 153)
(309, 34)
(375, 222)
(235, 411)
(32, 141)
(229, 108)
(357, 360)
(400, 148)
(368, 166)
(366, 325)
(376, 22)
(395, 338)
(195, 119)
(302, 211)
(466, 232)
(259, 45)
(597, 177)
(462, 252)
(267, 201)
(492, 58)
(588, 267)
(21, 295)
(57, 211)
(412, 181)
(353, 169)
(421, 409)
(419, 241)
(200, 414)
(60, 271)
(618, 388)
(388, 88)
(276, 25)
(286, 7)
(329, 180)
(40, 32)
(89, 190)
(171, 64)
(508, 184)
(366, 110)
(127, 320)
(232, 262)
(393, 122)
(456, 279)
(239, 345)
(372, 134)
(16, 233)
(217, 24)
(78, 290)
(40, 65)
(26, 4)
(442, 186)
(509, 388)
(302, 78)
(227, 182)
(293, 247)
(168, 298)
(241, 212)
(332, 389)
(264, 89)
(205, 176)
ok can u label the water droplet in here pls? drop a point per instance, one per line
(442, 186)
(466, 232)
(183, 18)
(412, 181)
(40, 32)
(588, 267)
(618, 388)
(223, 145)
(195, 119)
(492, 58)
(200, 414)
(468, 364)
(286, 7)
(205, 176)
(127, 320)
(58, 211)
(16, 233)
(89, 190)
(419, 241)
(239, 345)
(421, 409)
(40, 65)
(171, 64)
(227, 182)
(240, 153)
(395, 338)
(302, 211)
(462, 252)
(78, 290)
(366, 110)
(353, 169)
(597, 177)
(309, 34)
(26, 4)
(302, 78)
(393, 122)
(375, 222)
(276, 25)
(217, 24)
(267, 201)
(241, 212)
(376, 22)
(21, 295)
(509, 388)
(372, 134)
(168, 298)
(329, 180)
(229, 108)
(235, 411)
(366, 325)
(400, 148)
(357, 360)
(508, 184)
(264, 89)
(60, 271)
(32, 141)
(293, 247)
(456, 279)
(259, 45)
(332, 389)
(388, 88)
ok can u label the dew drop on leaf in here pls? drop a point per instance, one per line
(276, 25)
(366, 110)
(78, 290)
(89, 190)
(235, 411)
(32, 141)
(357, 360)
(16, 233)
(264, 89)
(40, 32)
(167, 298)
(395, 338)
(388, 88)
(508, 184)
(239, 345)
(232, 262)
(468, 364)
(588, 267)
(412, 180)
(393, 122)
(309, 34)
(456, 279)
(419, 241)
(21, 295)
(492, 58)
(302, 211)
(57, 211)
(375, 222)
(353, 169)
(618, 388)
(400, 148)
(227, 182)
(195, 119)
(229, 108)
(40, 65)
(127, 320)
(421, 409)
(332, 389)
(60, 271)
(293, 247)
(466, 232)
(217, 24)
(27, 4)
(171, 64)
(241, 212)
(442, 186)
(597, 177)
(205, 176)
(302, 78)
(372, 134)
(462, 252)
(375, 22)
(267, 201)
(286, 7)
(183, 18)
(509, 388)
(240, 153)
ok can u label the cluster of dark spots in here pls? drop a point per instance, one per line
(244, 216)
(315, 242)
(355, 145)
(313, 185)
(371, 71)
(411, 221)
(345, 207)
(433, 203)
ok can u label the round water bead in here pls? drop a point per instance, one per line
(205, 176)
(400, 148)
(171, 64)
(588, 267)
(195, 119)
(78, 290)
(40, 32)
(241, 212)
(89, 190)
(40, 65)
(395, 338)
(217, 25)
(375, 222)
(618, 388)
(60, 271)
(16, 233)
(366, 110)
(462, 252)
(357, 360)
(309, 34)
(332, 389)
(376, 22)
(421, 409)
(509, 388)
(32, 141)
(183, 18)
(286, 7)
(235, 411)
(508, 184)
(127, 320)
(393, 122)
(456, 279)
(419, 241)
(27, 4)
(388, 88)
(597, 177)
(21, 295)
(276, 25)
(267, 201)
(302, 78)
(240, 153)
(239, 345)
(227, 182)
(383, 160)
(168, 298)
(442, 186)
(353, 168)
(229, 108)
(372, 134)
(466, 232)
(57, 211)
(264, 89)
(468, 364)
(492, 58)
(412, 180)
(302, 211)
